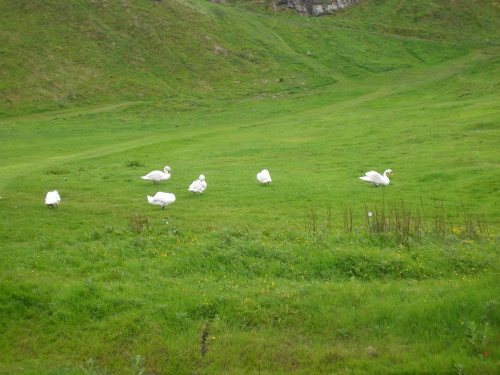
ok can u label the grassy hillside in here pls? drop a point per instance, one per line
(290, 278)
(446, 20)
(58, 55)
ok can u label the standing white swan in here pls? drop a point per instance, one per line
(264, 177)
(52, 199)
(199, 185)
(162, 199)
(376, 178)
(157, 176)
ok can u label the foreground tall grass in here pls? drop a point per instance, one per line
(162, 300)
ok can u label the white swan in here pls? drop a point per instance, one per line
(52, 199)
(157, 176)
(264, 177)
(162, 199)
(199, 185)
(376, 178)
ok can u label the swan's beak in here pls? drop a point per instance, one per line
(391, 173)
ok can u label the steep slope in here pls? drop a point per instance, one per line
(76, 53)
(460, 20)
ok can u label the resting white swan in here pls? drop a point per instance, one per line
(199, 185)
(264, 177)
(162, 199)
(376, 178)
(52, 199)
(157, 176)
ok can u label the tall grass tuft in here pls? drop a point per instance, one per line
(478, 337)
(312, 223)
(348, 219)
(134, 163)
(472, 224)
(398, 222)
(439, 218)
(204, 336)
(329, 217)
(138, 223)
(137, 363)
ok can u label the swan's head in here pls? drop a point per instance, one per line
(389, 171)
(202, 177)
(167, 169)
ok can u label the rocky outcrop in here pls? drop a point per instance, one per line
(314, 7)
(307, 7)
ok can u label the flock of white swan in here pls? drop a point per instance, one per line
(52, 199)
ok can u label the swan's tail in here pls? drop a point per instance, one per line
(150, 199)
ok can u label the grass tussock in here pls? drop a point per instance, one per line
(181, 299)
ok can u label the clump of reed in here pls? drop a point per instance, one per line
(311, 221)
(398, 222)
(395, 220)
(138, 223)
(313, 225)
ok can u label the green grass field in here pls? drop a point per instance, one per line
(293, 277)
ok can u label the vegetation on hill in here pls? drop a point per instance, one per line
(61, 55)
(316, 273)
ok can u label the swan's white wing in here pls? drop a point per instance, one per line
(152, 175)
(375, 178)
(52, 197)
(195, 187)
(365, 178)
(198, 186)
(165, 197)
(264, 177)
(156, 176)
(162, 199)
(373, 174)
(378, 179)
